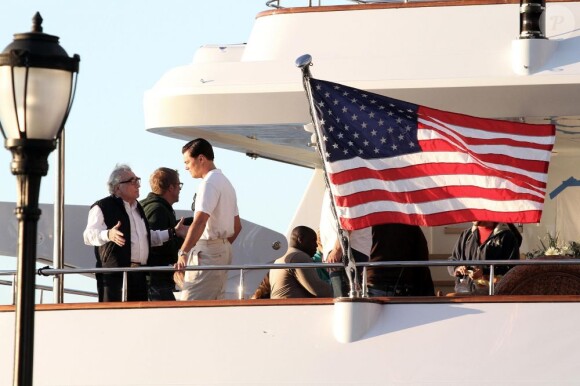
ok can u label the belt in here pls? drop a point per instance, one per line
(135, 265)
(211, 242)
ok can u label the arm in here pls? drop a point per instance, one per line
(193, 234)
(237, 229)
(309, 279)
(158, 237)
(96, 232)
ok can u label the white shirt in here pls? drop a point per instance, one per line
(216, 197)
(96, 232)
(361, 239)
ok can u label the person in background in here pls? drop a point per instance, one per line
(399, 242)
(360, 243)
(298, 282)
(216, 224)
(158, 207)
(118, 229)
(484, 240)
(263, 291)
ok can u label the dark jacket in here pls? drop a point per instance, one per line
(111, 255)
(161, 215)
(502, 244)
(400, 242)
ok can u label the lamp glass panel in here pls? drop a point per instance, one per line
(48, 97)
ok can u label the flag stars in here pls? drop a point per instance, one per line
(372, 114)
(354, 117)
(383, 140)
(335, 145)
(376, 151)
(364, 125)
(353, 100)
(401, 137)
(394, 147)
(366, 143)
(411, 145)
(345, 151)
(374, 132)
(355, 135)
(344, 109)
(340, 135)
(399, 120)
(321, 104)
(363, 107)
(335, 102)
(390, 130)
(381, 122)
(327, 94)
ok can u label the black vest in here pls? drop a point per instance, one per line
(111, 255)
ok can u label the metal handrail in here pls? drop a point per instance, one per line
(49, 288)
(47, 271)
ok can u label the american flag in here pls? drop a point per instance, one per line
(390, 161)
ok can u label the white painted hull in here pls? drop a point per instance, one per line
(412, 344)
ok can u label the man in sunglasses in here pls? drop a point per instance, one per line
(118, 229)
(158, 207)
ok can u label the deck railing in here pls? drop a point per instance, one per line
(47, 271)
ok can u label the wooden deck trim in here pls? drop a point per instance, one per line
(303, 302)
(417, 4)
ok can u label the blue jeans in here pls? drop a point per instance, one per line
(339, 280)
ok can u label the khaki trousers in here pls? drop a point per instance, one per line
(207, 285)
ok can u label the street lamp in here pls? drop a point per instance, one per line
(37, 84)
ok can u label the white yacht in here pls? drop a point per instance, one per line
(486, 58)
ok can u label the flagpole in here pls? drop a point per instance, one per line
(304, 62)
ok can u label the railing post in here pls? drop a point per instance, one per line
(491, 274)
(241, 286)
(124, 288)
(14, 279)
(365, 293)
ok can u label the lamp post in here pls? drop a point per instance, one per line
(37, 84)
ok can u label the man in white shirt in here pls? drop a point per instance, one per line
(118, 229)
(216, 224)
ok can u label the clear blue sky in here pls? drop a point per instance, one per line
(125, 47)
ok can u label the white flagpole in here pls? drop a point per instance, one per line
(304, 62)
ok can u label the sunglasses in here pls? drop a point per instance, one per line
(132, 180)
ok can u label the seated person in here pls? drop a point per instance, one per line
(297, 282)
(399, 242)
(263, 290)
(485, 240)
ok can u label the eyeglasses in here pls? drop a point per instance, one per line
(180, 185)
(132, 181)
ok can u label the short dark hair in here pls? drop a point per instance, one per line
(198, 146)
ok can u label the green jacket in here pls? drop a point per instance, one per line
(161, 215)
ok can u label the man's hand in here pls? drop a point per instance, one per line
(335, 256)
(115, 235)
(461, 270)
(181, 229)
